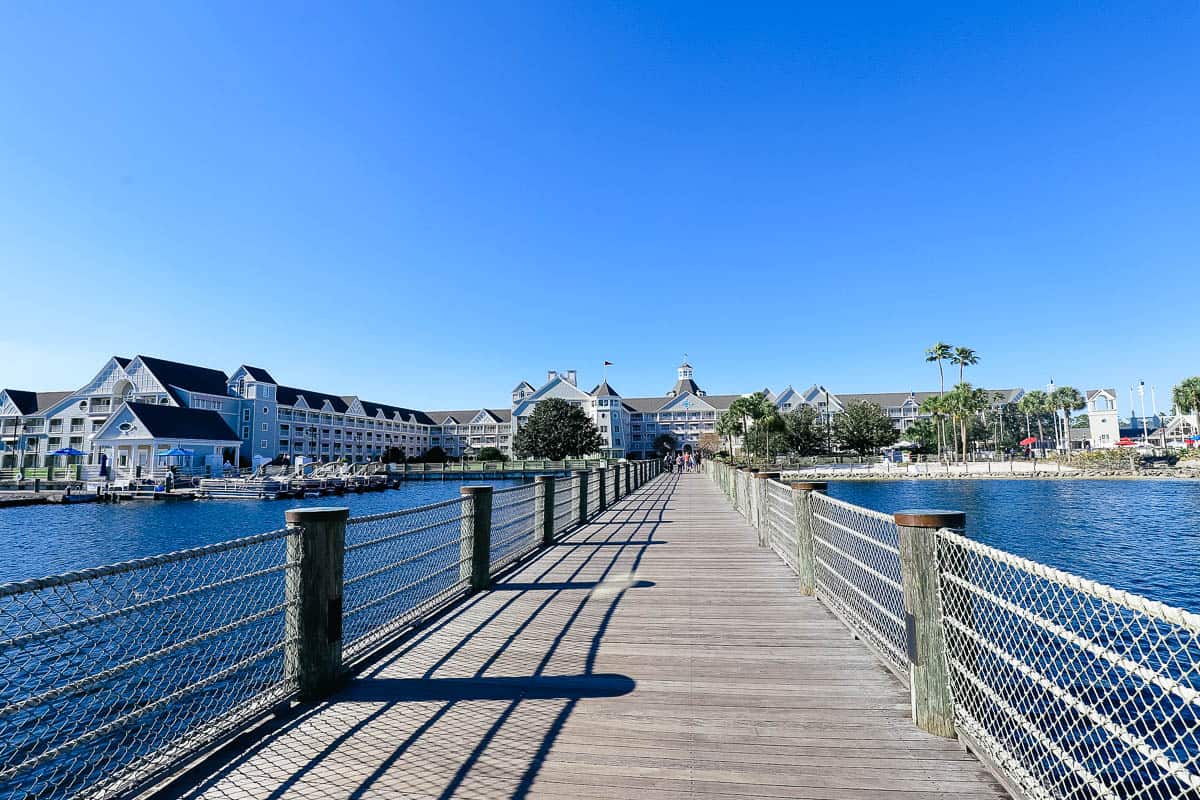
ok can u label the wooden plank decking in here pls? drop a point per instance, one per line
(657, 652)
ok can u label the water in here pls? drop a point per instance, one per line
(46, 540)
(1142, 536)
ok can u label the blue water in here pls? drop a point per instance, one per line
(1140, 536)
(46, 540)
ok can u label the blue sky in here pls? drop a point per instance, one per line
(423, 204)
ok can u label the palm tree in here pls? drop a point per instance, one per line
(965, 401)
(964, 357)
(940, 352)
(1186, 396)
(935, 406)
(1036, 403)
(1068, 399)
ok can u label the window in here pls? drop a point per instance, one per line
(245, 431)
(245, 415)
(266, 410)
(262, 445)
(264, 427)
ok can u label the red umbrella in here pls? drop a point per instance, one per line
(1028, 440)
(1125, 441)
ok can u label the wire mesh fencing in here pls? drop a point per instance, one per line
(399, 565)
(593, 493)
(513, 525)
(108, 674)
(566, 504)
(780, 521)
(1074, 689)
(856, 560)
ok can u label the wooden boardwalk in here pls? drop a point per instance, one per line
(657, 652)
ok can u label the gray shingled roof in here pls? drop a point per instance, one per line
(258, 373)
(34, 402)
(188, 377)
(686, 385)
(604, 390)
(465, 417)
(175, 422)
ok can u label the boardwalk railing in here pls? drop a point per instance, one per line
(1064, 687)
(108, 676)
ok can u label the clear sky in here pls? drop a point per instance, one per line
(424, 204)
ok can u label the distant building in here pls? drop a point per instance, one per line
(1104, 428)
(902, 408)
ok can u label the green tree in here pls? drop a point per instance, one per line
(434, 455)
(752, 409)
(731, 426)
(863, 428)
(1068, 399)
(925, 434)
(491, 454)
(557, 430)
(803, 431)
(940, 352)
(964, 357)
(665, 443)
(1186, 396)
(935, 406)
(1036, 403)
(964, 403)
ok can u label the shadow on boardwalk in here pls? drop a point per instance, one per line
(656, 652)
(471, 705)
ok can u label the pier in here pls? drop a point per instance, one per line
(615, 633)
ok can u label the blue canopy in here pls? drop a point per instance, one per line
(68, 451)
(176, 451)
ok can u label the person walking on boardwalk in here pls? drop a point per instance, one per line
(679, 463)
(669, 463)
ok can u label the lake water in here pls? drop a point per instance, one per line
(46, 540)
(1139, 535)
(1142, 536)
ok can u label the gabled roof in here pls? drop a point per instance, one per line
(190, 378)
(258, 373)
(465, 417)
(124, 362)
(523, 385)
(177, 422)
(33, 402)
(686, 385)
(604, 390)
(286, 395)
(649, 405)
(373, 409)
(1093, 392)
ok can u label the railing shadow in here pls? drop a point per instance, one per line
(473, 703)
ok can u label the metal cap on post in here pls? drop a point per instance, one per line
(479, 500)
(543, 490)
(581, 498)
(316, 546)
(929, 673)
(802, 511)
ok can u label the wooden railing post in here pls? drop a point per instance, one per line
(313, 589)
(543, 503)
(477, 523)
(581, 497)
(761, 499)
(602, 476)
(806, 559)
(929, 673)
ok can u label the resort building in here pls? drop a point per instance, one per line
(902, 408)
(629, 426)
(135, 412)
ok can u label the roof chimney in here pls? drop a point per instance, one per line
(551, 375)
(570, 377)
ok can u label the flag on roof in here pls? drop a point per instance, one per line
(608, 363)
